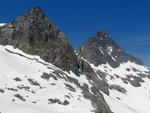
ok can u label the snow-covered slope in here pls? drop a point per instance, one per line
(136, 99)
(128, 80)
(24, 88)
(130, 87)
(2, 24)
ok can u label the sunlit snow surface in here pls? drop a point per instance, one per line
(137, 99)
(2, 24)
(36, 97)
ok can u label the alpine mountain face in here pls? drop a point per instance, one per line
(41, 73)
(102, 49)
(34, 33)
(124, 75)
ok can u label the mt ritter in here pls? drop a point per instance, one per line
(41, 72)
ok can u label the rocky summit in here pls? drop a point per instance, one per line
(35, 34)
(41, 73)
(102, 49)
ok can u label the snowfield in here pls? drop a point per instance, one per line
(136, 99)
(2, 24)
(23, 90)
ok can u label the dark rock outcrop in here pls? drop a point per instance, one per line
(34, 33)
(102, 49)
(118, 88)
(86, 69)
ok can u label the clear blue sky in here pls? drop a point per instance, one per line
(127, 21)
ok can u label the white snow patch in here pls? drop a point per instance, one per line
(109, 49)
(2, 24)
(121, 70)
(100, 48)
(136, 99)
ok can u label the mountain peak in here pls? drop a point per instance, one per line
(36, 13)
(34, 33)
(36, 8)
(102, 49)
(102, 33)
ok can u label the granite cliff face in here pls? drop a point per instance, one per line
(36, 34)
(102, 49)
